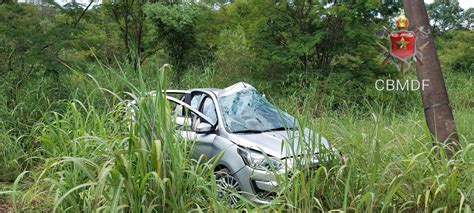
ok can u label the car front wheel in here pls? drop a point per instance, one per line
(228, 187)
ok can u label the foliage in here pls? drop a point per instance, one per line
(129, 17)
(234, 56)
(456, 51)
(91, 159)
(447, 15)
(174, 26)
(65, 71)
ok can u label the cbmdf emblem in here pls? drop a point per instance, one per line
(403, 43)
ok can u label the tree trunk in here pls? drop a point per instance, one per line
(438, 112)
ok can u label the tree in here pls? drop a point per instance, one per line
(129, 16)
(307, 35)
(173, 25)
(438, 112)
(445, 15)
(468, 19)
(29, 45)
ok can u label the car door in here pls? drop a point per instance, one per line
(185, 123)
(205, 141)
(187, 129)
(178, 110)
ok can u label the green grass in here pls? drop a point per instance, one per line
(86, 158)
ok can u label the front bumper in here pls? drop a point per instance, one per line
(257, 185)
(261, 186)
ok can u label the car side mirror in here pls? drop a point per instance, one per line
(204, 128)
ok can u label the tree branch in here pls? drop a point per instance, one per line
(83, 13)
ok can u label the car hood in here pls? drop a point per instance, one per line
(282, 144)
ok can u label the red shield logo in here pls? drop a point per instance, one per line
(402, 44)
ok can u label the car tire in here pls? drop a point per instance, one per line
(228, 187)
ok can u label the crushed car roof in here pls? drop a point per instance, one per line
(237, 87)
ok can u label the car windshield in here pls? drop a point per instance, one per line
(247, 111)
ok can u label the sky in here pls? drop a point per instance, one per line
(465, 4)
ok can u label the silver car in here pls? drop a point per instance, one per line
(253, 139)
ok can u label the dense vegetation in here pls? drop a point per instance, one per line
(65, 71)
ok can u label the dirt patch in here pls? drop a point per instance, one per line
(5, 206)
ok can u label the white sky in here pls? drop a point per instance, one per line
(465, 4)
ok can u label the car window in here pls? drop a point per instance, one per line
(184, 123)
(209, 109)
(195, 100)
(178, 109)
(248, 110)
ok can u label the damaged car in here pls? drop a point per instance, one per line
(254, 140)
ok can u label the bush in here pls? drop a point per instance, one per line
(456, 51)
(234, 58)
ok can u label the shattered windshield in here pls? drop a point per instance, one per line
(247, 111)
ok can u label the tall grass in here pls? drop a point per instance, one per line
(89, 158)
(93, 160)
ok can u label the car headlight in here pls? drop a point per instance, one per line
(259, 161)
